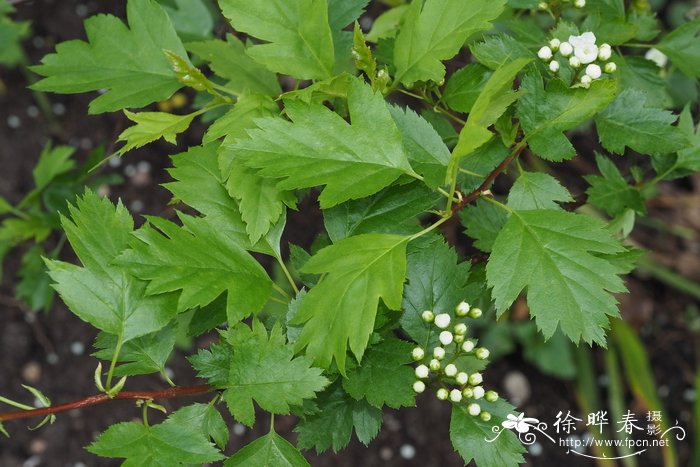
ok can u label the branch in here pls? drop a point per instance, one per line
(102, 398)
(489, 179)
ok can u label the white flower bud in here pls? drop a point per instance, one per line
(459, 338)
(574, 62)
(475, 379)
(579, 3)
(455, 395)
(460, 329)
(419, 386)
(462, 378)
(554, 44)
(442, 320)
(450, 370)
(474, 409)
(467, 392)
(468, 346)
(542, 6)
(593, 71)
(485, 416)
(475, 313)
(610, 67)
(439, 353)
(566, 49)
(462, 309)
(418, 354)
(434, 364)
(604, 52)
(428, 316)
(656, 56)
(482, 353)
(446, 337)
(586, 81)
(545, 53)
(422, 371)
(478, 392)
(442, 394)
(491, 396)
(554, 66)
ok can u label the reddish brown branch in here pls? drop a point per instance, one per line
(101, 398)
(489, 179)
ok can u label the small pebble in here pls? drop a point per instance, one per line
(664, 391)
(37, 446)
(136, 206)
(79, 464)
(52, 358)
(603, 381)
(366, 23)
(81, 10)
(143, 166)
(77, 348)
(33, 461)
(386, 453)
(103, 190)
(130, 170)
(13, 121)
(238, 429)
(407, 451)
(86, 144)
(517, 387)
(535, 449)
(115, 162)
(33, 111)
(31, 372)
(169, 372)
(58, 109)
(38, 42)
(689, 395)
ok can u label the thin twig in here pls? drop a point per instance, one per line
(490, 178)
(102, 398)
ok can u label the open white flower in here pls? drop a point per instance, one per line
(657, 56)
(584, 47)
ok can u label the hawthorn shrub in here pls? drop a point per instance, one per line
(300, 101)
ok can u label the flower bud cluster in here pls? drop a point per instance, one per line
(440, 365)
(582, 54)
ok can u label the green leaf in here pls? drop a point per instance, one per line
(199, 260)
(303, 154)
(555, 255)
(228, 59)
(192, 19)
(436, 281)
(176, 441)
(199, 184)
(424, 146)
(270, 450)
(264, 369)
(297, 34)
(483, 222)
(151, 126)
(545, 113)
(141, 356)
(496, 96)
(496, 50)
(610, 191)
(52, 163)
(392, 210)
(260, 202)
(11, 35)
(469, 436)
(464, 86)
(213, 364)
(536, 190)
(385, 376)
(128, 62)
(552, 357)
(435, 30)
(341, 309)
(234, 123)
(35, 285)
(629, 122)
(689, 159)
(682, 46)
(387, 23)
(331, 426)
(100, 293)
(205, 416)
